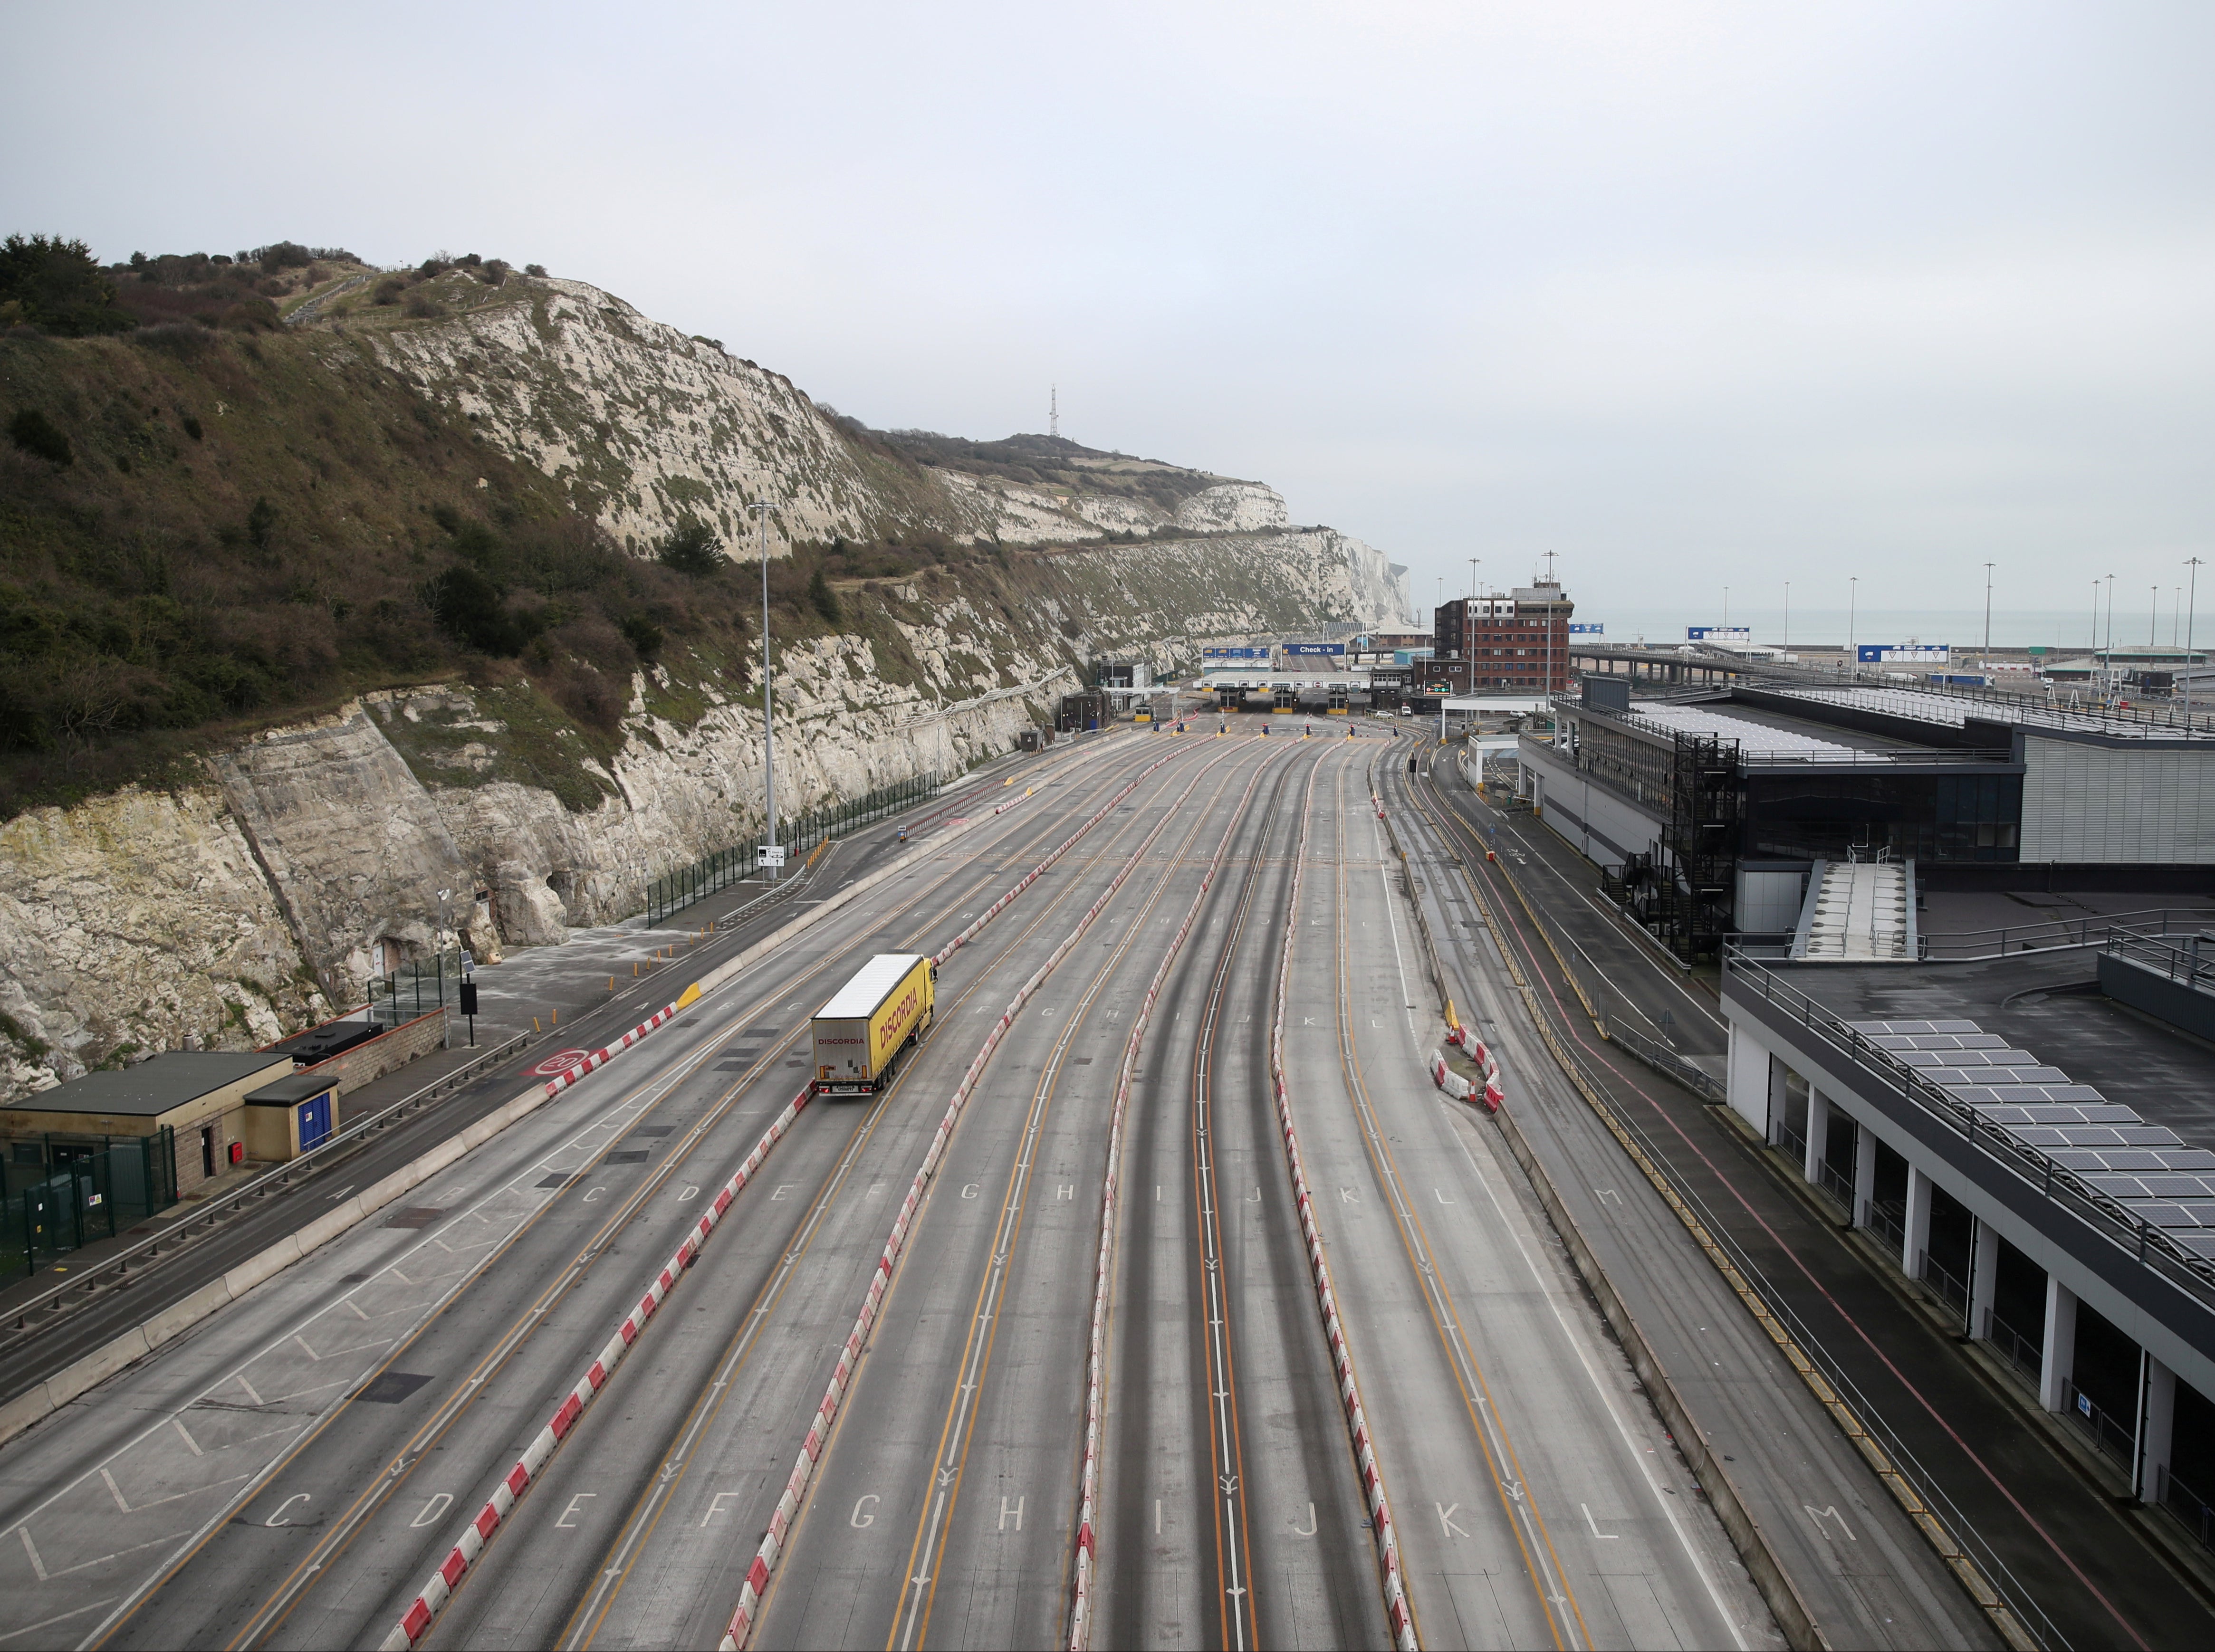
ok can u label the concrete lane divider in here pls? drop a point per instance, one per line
(1398, 1612)
(121, 1351)
(1095, 1374)
(757, 1576)
(424, 1611)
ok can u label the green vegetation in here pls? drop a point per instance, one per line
(33, 432)
(692, 548)
(206, 526)
(54, 284)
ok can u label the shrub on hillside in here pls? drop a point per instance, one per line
(183, 340)
(538, 270)
(33, 432)
(388, 290)
(692, 547)
(422, 307)
(495, 271)
(822, 598)
(643, 635)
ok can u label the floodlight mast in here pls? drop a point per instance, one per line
(761, 509)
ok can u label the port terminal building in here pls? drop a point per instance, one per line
(1716, 813)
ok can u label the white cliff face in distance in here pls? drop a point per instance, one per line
(226, 913)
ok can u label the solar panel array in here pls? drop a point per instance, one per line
(1750, 736)
(1926, 706)
(2148, 1168)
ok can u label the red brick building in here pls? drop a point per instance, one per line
(1514, 642)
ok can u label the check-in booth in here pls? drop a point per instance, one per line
(287, 1116)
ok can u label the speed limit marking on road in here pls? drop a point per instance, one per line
(559, 1062)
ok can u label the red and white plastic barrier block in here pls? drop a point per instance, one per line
(1095, 1373)
(850, 1357)
(1396, 1610)
(600, 1058)
(1488, 1093)
(419, 1616)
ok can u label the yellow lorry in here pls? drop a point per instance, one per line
(860, 1032)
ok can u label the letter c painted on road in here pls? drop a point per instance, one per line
(861, 1520)
(278, 1518)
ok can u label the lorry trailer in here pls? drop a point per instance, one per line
(860, 1032)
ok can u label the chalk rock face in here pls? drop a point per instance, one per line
(354, 848)
(1233, 508)
(531, 913)
(138, 922)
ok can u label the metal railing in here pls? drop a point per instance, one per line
(2188, 1506)
(677, 889)
(87, 1277)
(1836, 1182)
(1889, 1218)
(2116, 1441)
(1667, 1062)
(2108, 1217)
(2188, 963)
(2055, 934)
(1945, 1284)
(2026, 1355)
(1792, 1143)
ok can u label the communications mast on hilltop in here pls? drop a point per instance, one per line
(1053, 411)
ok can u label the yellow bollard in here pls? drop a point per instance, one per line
(535, 1027)
(556, 1014)
(611, 983)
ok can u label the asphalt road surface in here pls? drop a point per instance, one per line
(291, 1472)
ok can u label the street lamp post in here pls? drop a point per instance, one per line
(1988, 613)
(2191, 604)
(1785, 642)
(1853, 601)
(761, 509)
(2110, 663)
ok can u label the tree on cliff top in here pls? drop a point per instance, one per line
(55, 284)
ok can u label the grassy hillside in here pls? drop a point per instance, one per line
(241, 526)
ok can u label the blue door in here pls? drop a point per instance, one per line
(315, 1120)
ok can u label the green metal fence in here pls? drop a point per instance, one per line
(725, 867)
(63, 1192)
(415, 988)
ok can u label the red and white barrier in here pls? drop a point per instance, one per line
(850, 1357)
(424, 1612)
(600, 1058)
(1095, 1375)
(1453, 1083)
(1396, 1610)
(418, 1617)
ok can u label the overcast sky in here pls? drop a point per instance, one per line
(1691, 294)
